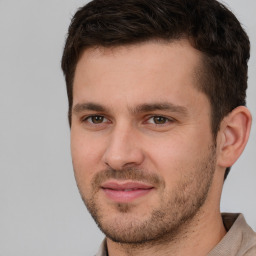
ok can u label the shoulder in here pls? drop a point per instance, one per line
(240, 239)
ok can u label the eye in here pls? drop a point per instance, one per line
(158, 120)
(96, 119)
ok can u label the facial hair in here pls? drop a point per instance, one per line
(177, 207)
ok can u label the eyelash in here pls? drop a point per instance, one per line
(87, 118)
(165, 120)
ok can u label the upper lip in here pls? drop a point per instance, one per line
(118, 185)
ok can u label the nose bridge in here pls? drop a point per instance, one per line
(123, 147)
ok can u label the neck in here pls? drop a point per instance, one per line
(197, 237)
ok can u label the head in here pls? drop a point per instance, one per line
(209, 26)
(102, 29)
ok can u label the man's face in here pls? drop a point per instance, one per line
(141, 141)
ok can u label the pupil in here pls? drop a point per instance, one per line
(159, 120)
(97, 119)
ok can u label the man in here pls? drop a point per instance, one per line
(157, 112)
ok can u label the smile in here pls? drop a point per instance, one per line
(125, 192)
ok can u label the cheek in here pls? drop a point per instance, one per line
(86, 154)
(176, 156)
(85, 147)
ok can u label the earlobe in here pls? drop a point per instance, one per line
(234, 134)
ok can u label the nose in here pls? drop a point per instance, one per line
(123, 149)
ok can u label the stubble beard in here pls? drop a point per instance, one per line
(164, 223)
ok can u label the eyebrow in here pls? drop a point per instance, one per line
(148, 107)
(165, 106)
(80, 107)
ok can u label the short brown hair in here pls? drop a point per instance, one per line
(207, 24)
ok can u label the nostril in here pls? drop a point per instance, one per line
(121, 160)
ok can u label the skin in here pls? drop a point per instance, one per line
(169, 148)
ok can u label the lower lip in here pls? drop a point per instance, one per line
(122, 196)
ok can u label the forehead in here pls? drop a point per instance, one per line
(150, 52)
(137, 73)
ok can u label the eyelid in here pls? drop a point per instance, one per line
(106, 120)
(169, 119)
(87, 117)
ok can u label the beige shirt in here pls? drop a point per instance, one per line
(240, 239)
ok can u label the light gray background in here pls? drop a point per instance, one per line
(41, 212)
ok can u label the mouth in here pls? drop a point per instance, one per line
(124, 192)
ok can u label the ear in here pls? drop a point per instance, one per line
(233, 136)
